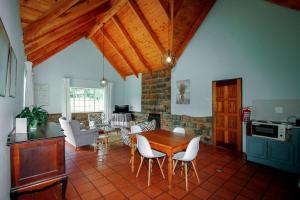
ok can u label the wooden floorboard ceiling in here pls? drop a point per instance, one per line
(135, 30)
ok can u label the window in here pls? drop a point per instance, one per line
(86, 99)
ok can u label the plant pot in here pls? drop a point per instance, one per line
(33, 125)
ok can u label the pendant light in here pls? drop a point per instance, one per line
(169, 59)
(103, 81)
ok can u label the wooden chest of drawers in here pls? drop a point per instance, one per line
(37, 160)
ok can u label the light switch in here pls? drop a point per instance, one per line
(279, 110)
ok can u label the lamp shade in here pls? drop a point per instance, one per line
(103, 82)
(168, 59)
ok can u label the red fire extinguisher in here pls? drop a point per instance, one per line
(246, 114)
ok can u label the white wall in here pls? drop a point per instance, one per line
(82, 62)
(255, 40)
(133, 92)
(9, 107)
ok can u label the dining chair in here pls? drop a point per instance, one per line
(135, 129)
(188, 156)
(146, 152)
(179, 130)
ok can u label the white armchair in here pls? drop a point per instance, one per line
(74, 135)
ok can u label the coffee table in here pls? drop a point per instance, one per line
(103, 136)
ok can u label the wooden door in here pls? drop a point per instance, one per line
(227, 104)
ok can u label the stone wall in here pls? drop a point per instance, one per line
(156, 91)
(192, 125)
(81, 117)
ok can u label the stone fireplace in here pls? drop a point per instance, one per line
(156, 117)
(156, 103)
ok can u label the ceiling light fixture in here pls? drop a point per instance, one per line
(103, 81)
(169, 59)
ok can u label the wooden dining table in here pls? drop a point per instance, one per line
(164, 141)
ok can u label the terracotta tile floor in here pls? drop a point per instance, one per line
(100, 175)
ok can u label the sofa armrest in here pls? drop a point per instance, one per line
(90, 131)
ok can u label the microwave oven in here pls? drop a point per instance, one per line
(272, 130)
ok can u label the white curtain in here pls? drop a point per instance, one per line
(108, 100)
(66, 106)
(28, 90)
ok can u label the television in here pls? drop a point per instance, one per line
(121, 109)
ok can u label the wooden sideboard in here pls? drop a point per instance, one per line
(37, 160)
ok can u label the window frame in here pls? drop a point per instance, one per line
(84, 100)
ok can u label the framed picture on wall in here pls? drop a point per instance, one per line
(4, 57)
(183, 92)
(13, 63)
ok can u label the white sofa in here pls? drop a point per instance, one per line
(76, 136)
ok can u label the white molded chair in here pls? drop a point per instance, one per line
(146, 152)
(188, 156)
(135, 129)
(179, 130)
(75, 136)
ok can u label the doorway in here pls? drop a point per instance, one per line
(227, 105)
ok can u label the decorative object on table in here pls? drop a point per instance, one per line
(35, 116)
(12, 81)
(4, 57)
(21, 125)
(183, 92)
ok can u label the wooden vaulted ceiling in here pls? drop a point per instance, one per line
(135, 30)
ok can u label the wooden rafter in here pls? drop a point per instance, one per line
(194, 28)
(52, 25)
(70, 15)
(131, 42)
(115, 8)
(177, 5)
(120, 52)
(58, 9)
(51, 36)
(59, 41)
(146, 25)
(100, 48)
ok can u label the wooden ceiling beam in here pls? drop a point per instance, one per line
(206, 8)
(59, 41)
(120, 53)
(115, 8)
(130, 41)
(177, 6)
(57, 49)
(58, 9)
(59, 32)
(146, 25)
(71, 14)
(101, 50)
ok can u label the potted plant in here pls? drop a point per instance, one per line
(35, 116)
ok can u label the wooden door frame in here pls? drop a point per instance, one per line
(240, 96)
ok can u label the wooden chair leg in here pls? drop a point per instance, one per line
(186, 177)
(160, 167)
(149, 172)
(194, 167)
(142, 159)
(174, 166)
